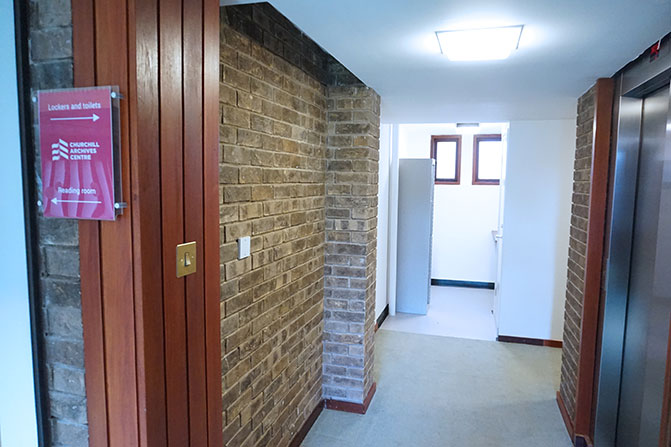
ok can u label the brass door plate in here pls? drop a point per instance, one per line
(186, 259)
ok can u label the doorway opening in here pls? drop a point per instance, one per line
(439, 351)
(450, 214)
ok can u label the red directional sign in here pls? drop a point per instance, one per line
(76, 148)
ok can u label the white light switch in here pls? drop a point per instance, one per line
(244, 247)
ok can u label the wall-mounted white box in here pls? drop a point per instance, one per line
(244, 247)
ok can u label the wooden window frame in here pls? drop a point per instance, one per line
(435, 139)
(476, 158)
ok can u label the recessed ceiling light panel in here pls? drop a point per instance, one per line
(480, 44)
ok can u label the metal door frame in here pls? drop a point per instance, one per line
(633, 83)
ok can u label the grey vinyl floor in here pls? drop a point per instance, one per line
(440, 391)
(454, 312)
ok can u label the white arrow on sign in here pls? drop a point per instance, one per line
(56, 201)
(93, 118)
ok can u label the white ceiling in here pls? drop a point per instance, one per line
(565, 46)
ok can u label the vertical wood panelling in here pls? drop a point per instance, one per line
(152, 339)
(94, 346)
(146, 204)
(116, 242)
(193, 217)
(89, 246)
(172, 220)
(210, 75)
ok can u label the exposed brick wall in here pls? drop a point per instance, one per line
(269, 28)
(273, 178)
(272, 172)
(50, 64)
(351, 224)
(577, 247)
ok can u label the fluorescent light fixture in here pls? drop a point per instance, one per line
(467, 125)
(480, 44)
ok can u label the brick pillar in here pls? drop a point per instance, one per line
(351, 222)
(575, 284)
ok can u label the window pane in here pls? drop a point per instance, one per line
(489, 160)
(446, 160)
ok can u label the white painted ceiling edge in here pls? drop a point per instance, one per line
(566, 45)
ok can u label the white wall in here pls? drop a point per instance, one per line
(381, 273)
(392, 240)
(537, 214)
(464, 215)
(17, 398)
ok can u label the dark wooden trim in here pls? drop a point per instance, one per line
(606, 249)
(192, 146)
(307, 425)
(172, 217)
(383, 316)
(146, 206)
(476, 157)
(94, 347)
(530, 341)
(347, 407)
(456, 138)
(665, 428)
(369, 397)
(351, 407)
(84, 55)
(210, 250)
(116, 238)
(459, 283)
(587, 363)
(564, 414)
